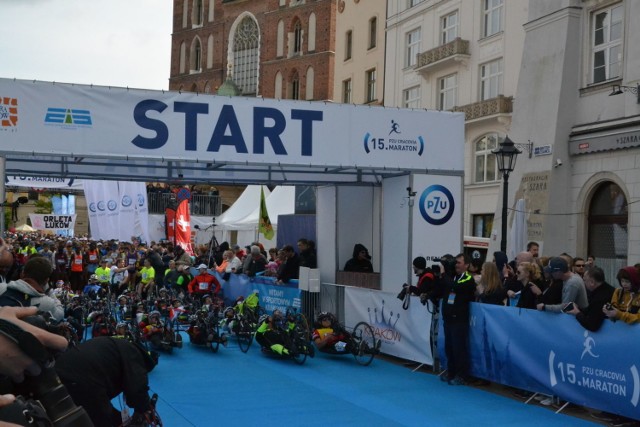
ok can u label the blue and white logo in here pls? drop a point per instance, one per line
(70, 117)
(126, 201)
(394, 141)
(140, 199)
(112, 205)
(437, 205)
(101, 206)
(92, 207)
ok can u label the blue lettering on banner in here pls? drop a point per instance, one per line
(268, 124)
(437, 204)
(579, 366)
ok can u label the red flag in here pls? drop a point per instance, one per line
(170, 224)
(183, 227)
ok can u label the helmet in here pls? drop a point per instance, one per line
(154, 313)
(291, 312)
(229, 312)
(326, 315)
(263, 318)
(121, 325)
(60, 283)
(277, 314)
(161, 290)
(123, 296)
(205, 296)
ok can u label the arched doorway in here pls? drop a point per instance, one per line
(608, 233)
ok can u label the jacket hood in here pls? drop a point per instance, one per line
(360, 247)
(501, 260)
(634, 276)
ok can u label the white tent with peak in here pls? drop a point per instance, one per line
(281, 201)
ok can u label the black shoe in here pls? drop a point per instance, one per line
(603, 416)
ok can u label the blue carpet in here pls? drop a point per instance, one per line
(199, 388)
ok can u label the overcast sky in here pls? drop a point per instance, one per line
(101, 42)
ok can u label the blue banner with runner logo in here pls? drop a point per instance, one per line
(553, 354)
(272, 296)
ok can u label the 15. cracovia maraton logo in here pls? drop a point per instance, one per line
(437, 204)
(393, 141)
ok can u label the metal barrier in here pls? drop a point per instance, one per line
(200, 204)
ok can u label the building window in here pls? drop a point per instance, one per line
(411, 3)
(309, 84)
(246, 52)
(492, 17)
(346, 91)
(197, 13)
(486, 165)
(606, 34)
(196, 55)
(348, 44)
(373, 32)
(449, 27)
(482, 225)
(411, 97)
(413, 47)
(447, 92)
(294, 92)
(297, 38)
(371, 85)
(490, 80)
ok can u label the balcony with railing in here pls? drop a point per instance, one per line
(443, 56)
(498, 107)
(200, 204)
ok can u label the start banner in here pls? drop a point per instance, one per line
(52, 222)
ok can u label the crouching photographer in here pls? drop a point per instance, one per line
(425, 286)
(26, 369)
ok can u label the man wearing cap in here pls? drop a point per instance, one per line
(203, 283)
(573, 289)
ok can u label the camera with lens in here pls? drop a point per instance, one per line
(403, 293)
(608, 306)
(45, 391)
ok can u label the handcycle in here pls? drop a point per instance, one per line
(293, 332)
(205, 329)
(359, 342)
(242, 320)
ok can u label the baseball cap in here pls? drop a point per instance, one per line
(556, 264)
(202, 266)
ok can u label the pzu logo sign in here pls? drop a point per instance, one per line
(437, 205)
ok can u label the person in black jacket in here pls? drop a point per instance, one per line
(457, 289)
(360, 261)
(308, 257)
(600, 293)
(290, 268)
(100, 369)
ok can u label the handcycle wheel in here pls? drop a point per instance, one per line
(214, 330)
(245, 335)
(364, 342)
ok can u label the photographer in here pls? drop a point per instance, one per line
(100, 369)
(425, 286)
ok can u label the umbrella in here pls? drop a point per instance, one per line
(25, 227)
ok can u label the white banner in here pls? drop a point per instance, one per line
(134, 124)
(404, 333)
(43, 182)
(103, 208)
(52, 222)
(134, 212)
(437, 216)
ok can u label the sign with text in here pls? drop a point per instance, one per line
(52, 222)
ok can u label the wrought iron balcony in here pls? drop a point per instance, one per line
(484, 109)
(200, 204)
(441, 56)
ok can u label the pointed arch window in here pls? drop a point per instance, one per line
(246, 51)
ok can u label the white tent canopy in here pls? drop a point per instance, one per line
(280, 202)
(246, 203)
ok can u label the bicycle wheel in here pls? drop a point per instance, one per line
(213, 336)
(302, 327)
(245, 335)
(364, 341)
(299, 354)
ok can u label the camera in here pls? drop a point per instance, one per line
(47, 389)
(608, 306)
(568, 307)
(403, 293)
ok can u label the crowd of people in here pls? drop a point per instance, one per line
(559, 284)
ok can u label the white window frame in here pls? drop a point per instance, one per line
(370, 79)
(491, 76)
(486, 156)
(607, 46)
(449, 30)
(492, 17)
(347, 91)
(412, 42)
(448, 92)
(411, 3)
(411, 97)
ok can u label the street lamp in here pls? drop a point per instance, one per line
(617, 90)
(506, 156)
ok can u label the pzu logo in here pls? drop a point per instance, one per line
(436, 205)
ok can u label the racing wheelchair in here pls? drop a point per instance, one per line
(331, 337)
(285, 336)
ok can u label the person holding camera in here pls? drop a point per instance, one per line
(98, 370)
(625, 301)
(425, 286)
(457, 289)
(600, 293)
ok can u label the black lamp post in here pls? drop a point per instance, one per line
(506, 156)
